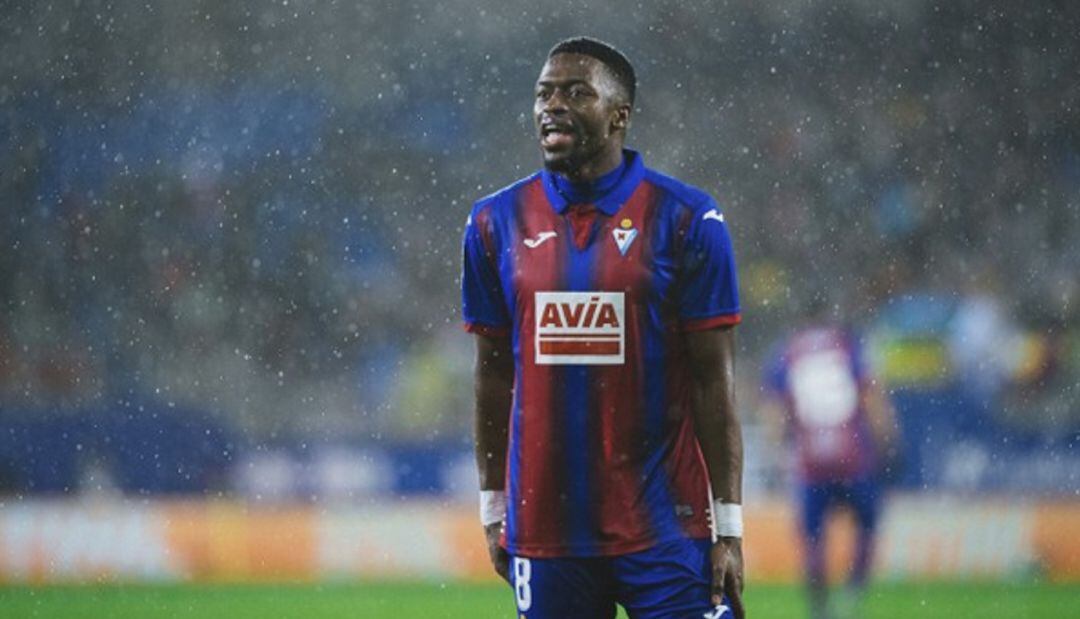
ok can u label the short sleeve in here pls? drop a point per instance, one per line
(482, 300)
(709, 294)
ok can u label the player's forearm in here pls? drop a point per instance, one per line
(773, 415)
(492, 429)
(718, 429)
(720, 436)
(493, 392)
(881, 415)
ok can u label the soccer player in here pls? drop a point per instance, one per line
(818, 388)
(603, 298)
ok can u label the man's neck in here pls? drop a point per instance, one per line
(592, 170)
(582, 192)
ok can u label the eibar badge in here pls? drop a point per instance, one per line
(624, 235)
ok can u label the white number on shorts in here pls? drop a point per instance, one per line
(522, 590)
(717, 613)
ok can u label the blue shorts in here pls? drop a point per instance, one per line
(667, 581)
(863, 496)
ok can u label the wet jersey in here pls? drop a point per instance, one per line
(597, 299)
(820, 376)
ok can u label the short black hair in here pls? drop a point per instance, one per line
(612, 58)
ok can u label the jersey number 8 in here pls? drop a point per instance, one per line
(522, 590)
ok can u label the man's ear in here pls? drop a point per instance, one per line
(622, 117)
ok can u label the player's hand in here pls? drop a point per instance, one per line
(499, 557)
(727, 574)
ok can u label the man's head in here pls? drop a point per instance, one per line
(584, 97)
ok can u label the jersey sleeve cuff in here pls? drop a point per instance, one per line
(711, 322)
(488, 330)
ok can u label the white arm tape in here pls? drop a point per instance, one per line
(726, 520)
(492, 506)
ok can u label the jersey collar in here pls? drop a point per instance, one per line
(611, 202)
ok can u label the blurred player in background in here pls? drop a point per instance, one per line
(822, 396)
(603, 297)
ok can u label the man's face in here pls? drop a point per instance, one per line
(579, 113)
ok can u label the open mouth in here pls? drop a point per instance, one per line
(556, 136)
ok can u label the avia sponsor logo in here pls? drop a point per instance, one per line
(580, 328)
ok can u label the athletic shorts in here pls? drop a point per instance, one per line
(863, 496)
(667, 581)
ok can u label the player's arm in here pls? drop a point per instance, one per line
(773, 407)
(493, 392)
(882, 417)
(712, 359)
(773, 413)
(484, 311)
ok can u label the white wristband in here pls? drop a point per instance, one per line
(726, 520)
(492, 506)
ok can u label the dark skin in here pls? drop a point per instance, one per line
(712, 357)
(494, 389)
(582, 115)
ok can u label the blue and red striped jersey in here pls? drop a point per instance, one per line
(820, 375)
(597, 299)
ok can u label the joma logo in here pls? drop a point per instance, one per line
(584, 328)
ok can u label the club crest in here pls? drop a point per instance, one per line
(624, 236)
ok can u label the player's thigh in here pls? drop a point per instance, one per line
(814, 500)
(668, 581)
(565, 588)
(864, 497)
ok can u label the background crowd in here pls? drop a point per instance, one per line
(230, 232)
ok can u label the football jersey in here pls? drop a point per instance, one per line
(820, 376)
(597, 300)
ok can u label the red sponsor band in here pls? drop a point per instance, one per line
(581, 336)
(579, 348)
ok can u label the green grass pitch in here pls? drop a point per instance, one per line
(473, 601)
